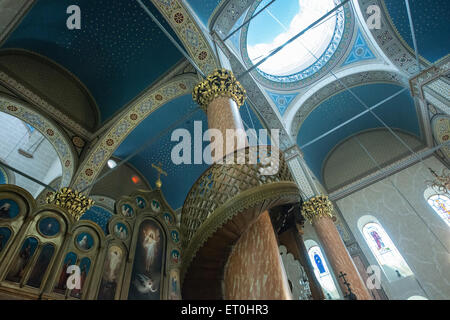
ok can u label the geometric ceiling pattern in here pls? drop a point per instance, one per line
(282, 101)
(117, 53)
(431, 25)
(398, 112)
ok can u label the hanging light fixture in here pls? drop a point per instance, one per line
(441, 183)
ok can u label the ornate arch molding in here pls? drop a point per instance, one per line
(130, 119)
(389, 39)
(189, 33)
(304, 107)
(52, 132)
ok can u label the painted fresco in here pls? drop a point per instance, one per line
(85, 265)
(61, 284)
(84, 241)
(5, 234)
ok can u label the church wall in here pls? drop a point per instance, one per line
(424, 241)
(255, 257)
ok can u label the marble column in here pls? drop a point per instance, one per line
(220, 95)
(319, 211)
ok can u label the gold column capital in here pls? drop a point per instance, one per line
(73, 201)
(220, 83)
(317, 207)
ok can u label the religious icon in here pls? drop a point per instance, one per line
(141, 203)
(49, 227)
(70, 260)
(175, 236)
(168, 218)
(9, 209)
(174, 293)
(127, 210)
(41, 266)
(84, 241)
(111, 273)
(85, 264)
(18, 267)
(175, 255)
(120, 231)
(148, 263)
(5, 234)
(156, 206)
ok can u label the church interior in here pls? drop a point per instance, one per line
(224, 150)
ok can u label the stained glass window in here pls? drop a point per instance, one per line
(322, 273)
(441, 204)
(384, 250)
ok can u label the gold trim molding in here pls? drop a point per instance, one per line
(317, 207)
(221, 83)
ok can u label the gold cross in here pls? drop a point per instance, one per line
(160, 170)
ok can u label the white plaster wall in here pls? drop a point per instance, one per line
(419, 234)
(45, 164)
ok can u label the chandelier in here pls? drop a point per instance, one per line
(441, 183)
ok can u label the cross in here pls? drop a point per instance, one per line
(160, 170)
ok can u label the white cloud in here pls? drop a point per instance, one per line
(295, 56)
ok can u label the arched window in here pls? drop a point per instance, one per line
(441, 205)
(322, 272)
(384, 250)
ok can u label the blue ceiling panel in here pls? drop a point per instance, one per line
(431, 25)
(204, 9)
(117, 53)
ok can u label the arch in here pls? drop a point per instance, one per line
(303, 105)
(52, 132)
(338, 168)
(383, 249)
(102, 151)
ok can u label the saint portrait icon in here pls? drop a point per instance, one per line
(121, 231)
(156, 206)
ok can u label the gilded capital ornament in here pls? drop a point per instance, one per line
(317, 207)
(73, 201)
(221, 83)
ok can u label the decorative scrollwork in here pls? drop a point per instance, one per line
(317, 207)
(441, 183)
(221, 83)
(73, 201)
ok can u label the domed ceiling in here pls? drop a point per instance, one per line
(117, 53)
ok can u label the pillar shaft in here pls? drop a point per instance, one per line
(318, 211)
